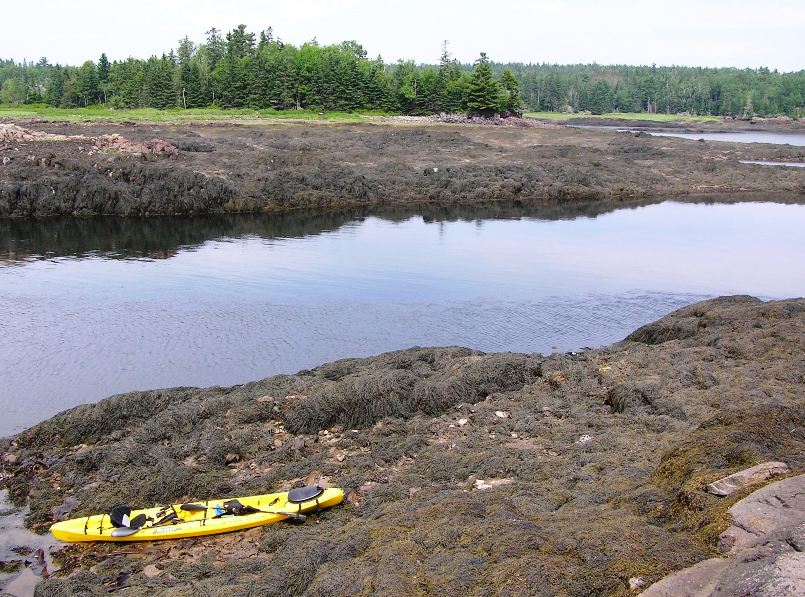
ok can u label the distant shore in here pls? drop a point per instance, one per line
(108, 168)
(43, 113)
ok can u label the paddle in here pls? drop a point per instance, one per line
(129, 531)
(192, 507)
(138, 522)
(125, 531)
(291, 515)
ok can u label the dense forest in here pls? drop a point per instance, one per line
(246, 70)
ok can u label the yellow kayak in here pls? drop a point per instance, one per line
(196, 519)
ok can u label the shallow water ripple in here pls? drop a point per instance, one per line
(82, 323)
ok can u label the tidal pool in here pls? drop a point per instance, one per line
(771, 137)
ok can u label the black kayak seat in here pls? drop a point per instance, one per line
(119, 517)
(303, 494)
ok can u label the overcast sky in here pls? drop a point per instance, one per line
(738, 33)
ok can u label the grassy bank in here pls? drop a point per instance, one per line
(644, 116)
(106, 114)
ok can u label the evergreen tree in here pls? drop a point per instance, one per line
(12, 91)
(239, 43)
(266, 37)
(451, 90)
(103, 69)
(55, 92)
(103, 76)
(428, 100)
(405, 82)
(511, 101)
(601, 98)
(378, 95)
(189, 85)
(186, 50)
(215, 48)
(554, 93)
(483, 89)
(70, 97)
(87, 83)
(195, 95)
(127, 83)
(158, 89)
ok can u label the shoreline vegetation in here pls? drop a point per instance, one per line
(104, 113)
(244, 69)
(579, 473)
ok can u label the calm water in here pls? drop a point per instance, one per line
(797, 139)
(89, 308)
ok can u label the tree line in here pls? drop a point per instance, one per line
(670, 90)
(241, 69)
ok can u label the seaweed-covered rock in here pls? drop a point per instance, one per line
(466, 472)
(81, 169)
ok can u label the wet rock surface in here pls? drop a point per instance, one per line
(25, 558)
(545, 488)
(236, 167)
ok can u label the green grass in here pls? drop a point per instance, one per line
(104, 113)
(624, 116)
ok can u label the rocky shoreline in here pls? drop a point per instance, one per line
(141, 169)
(476, 473)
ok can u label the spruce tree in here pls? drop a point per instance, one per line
(600, 98)
(511, 93)
(55, 91)
(266, 37)
(215, 48)
(103, 75)
(103, 69)
(483, 89)
(239, 43)
(449, 88)
(87, 83)
(159, 89)
(195, 90)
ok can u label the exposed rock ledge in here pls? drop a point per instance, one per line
(11, 133)
(767, 545)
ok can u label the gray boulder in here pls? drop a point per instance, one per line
(767, 548)
(756, 474)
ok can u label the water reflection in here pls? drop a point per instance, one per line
(93, 307)
(771, 137)
(23, 240)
